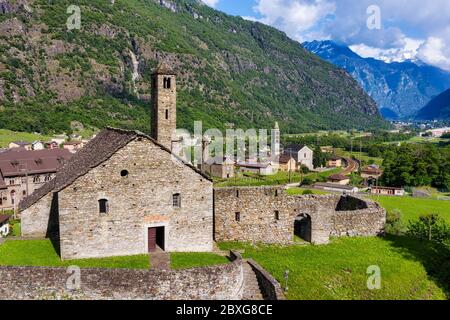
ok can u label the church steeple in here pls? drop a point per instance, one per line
(164, 104)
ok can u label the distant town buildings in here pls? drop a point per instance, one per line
(23, 171)
(335, 162)
(437, 133)
(4, 225)
(339, 179)
(387, 191)
(302, 154)
(334, 187)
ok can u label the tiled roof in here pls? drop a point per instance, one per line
(97, 151)
(19, 161)
(4, 218)
(338, 177)
(163, 68)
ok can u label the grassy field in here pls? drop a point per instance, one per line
(279, 178)
(300, 191)
(410, 269)
(42, 253)
(7, 136)
(412, 208)
(190, 260)
(360, 156)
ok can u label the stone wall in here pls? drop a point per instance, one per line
(270, 287)
(223, 282)
(138, 201)
(268, 214)
(36, 219)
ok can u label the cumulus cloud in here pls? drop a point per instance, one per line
(409, 28)
(211, 3)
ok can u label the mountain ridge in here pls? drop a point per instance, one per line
(232, 72)
(437, 109)
(399, 88)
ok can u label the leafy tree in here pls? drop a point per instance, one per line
(430, 227)
(394, 223)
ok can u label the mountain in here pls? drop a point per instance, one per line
(231, 72)
(436, 109)
(400, 88)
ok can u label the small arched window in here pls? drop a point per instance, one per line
(103, 206)
(167, 83)
(177, 200)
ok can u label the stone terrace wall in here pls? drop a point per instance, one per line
(223, 282)
(259, 206)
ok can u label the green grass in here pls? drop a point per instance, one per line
(410, 269)
(42, 253)
(413, 208)
(280, 178)
(300, 191)
(15, 228)
(191, 260)
(7, 136)
(360, 156)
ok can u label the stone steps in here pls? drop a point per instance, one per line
(251, 290)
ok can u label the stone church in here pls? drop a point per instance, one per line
(125, 193)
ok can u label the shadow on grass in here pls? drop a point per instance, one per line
(433, 256)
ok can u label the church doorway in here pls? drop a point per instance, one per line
(303, 227)
(156, 237)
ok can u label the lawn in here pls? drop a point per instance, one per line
(360, 156)
(42, 253)
(7, 136)
(301, 191)
(412, 208)
(190, 260)
(410, 269)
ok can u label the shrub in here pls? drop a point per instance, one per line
(430, 227)
(307, 181)
(394, 223)
(306, 192)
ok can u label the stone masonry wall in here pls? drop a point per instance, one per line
(137, 202)
(35, 219)
(223, 282)
(258, 207)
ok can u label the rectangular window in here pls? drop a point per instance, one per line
(177, 200)
(277, 215)
(237, 216)
(103, 206)
(11, 182)
(237, 193)
(167, 114)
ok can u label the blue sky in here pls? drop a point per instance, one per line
(399, 29)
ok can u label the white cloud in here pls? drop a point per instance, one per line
(211, 3)
(435, 51)
(409, 28)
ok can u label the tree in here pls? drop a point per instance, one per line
(430, 227)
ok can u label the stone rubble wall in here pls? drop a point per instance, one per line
(222, 282)
(257, 207)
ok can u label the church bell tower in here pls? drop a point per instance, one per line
(164, 105)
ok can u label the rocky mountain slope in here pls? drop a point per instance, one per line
(436, 109)
(400, 89)
(232, 72)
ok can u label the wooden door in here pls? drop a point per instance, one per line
(151, 239)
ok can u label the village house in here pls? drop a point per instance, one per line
(37, 145)
(334, 187)
(51, 145)
(387, 191)
(263, 169)
(125, 193)
(4, 225)
(339, 179)
(219, 167)
(287, 163)
(73, 146)
(23, 171)
(371, 173)
(335, 162)
(20, 144)
(302, 154)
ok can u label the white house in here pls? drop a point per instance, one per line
(264, 169)
(37, 145)
(302, 154)
(4, 225)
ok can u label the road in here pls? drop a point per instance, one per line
(352, 166)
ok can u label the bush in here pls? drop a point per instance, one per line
(306, 192)
(307, 181)
(394, 223)
(430, 227)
